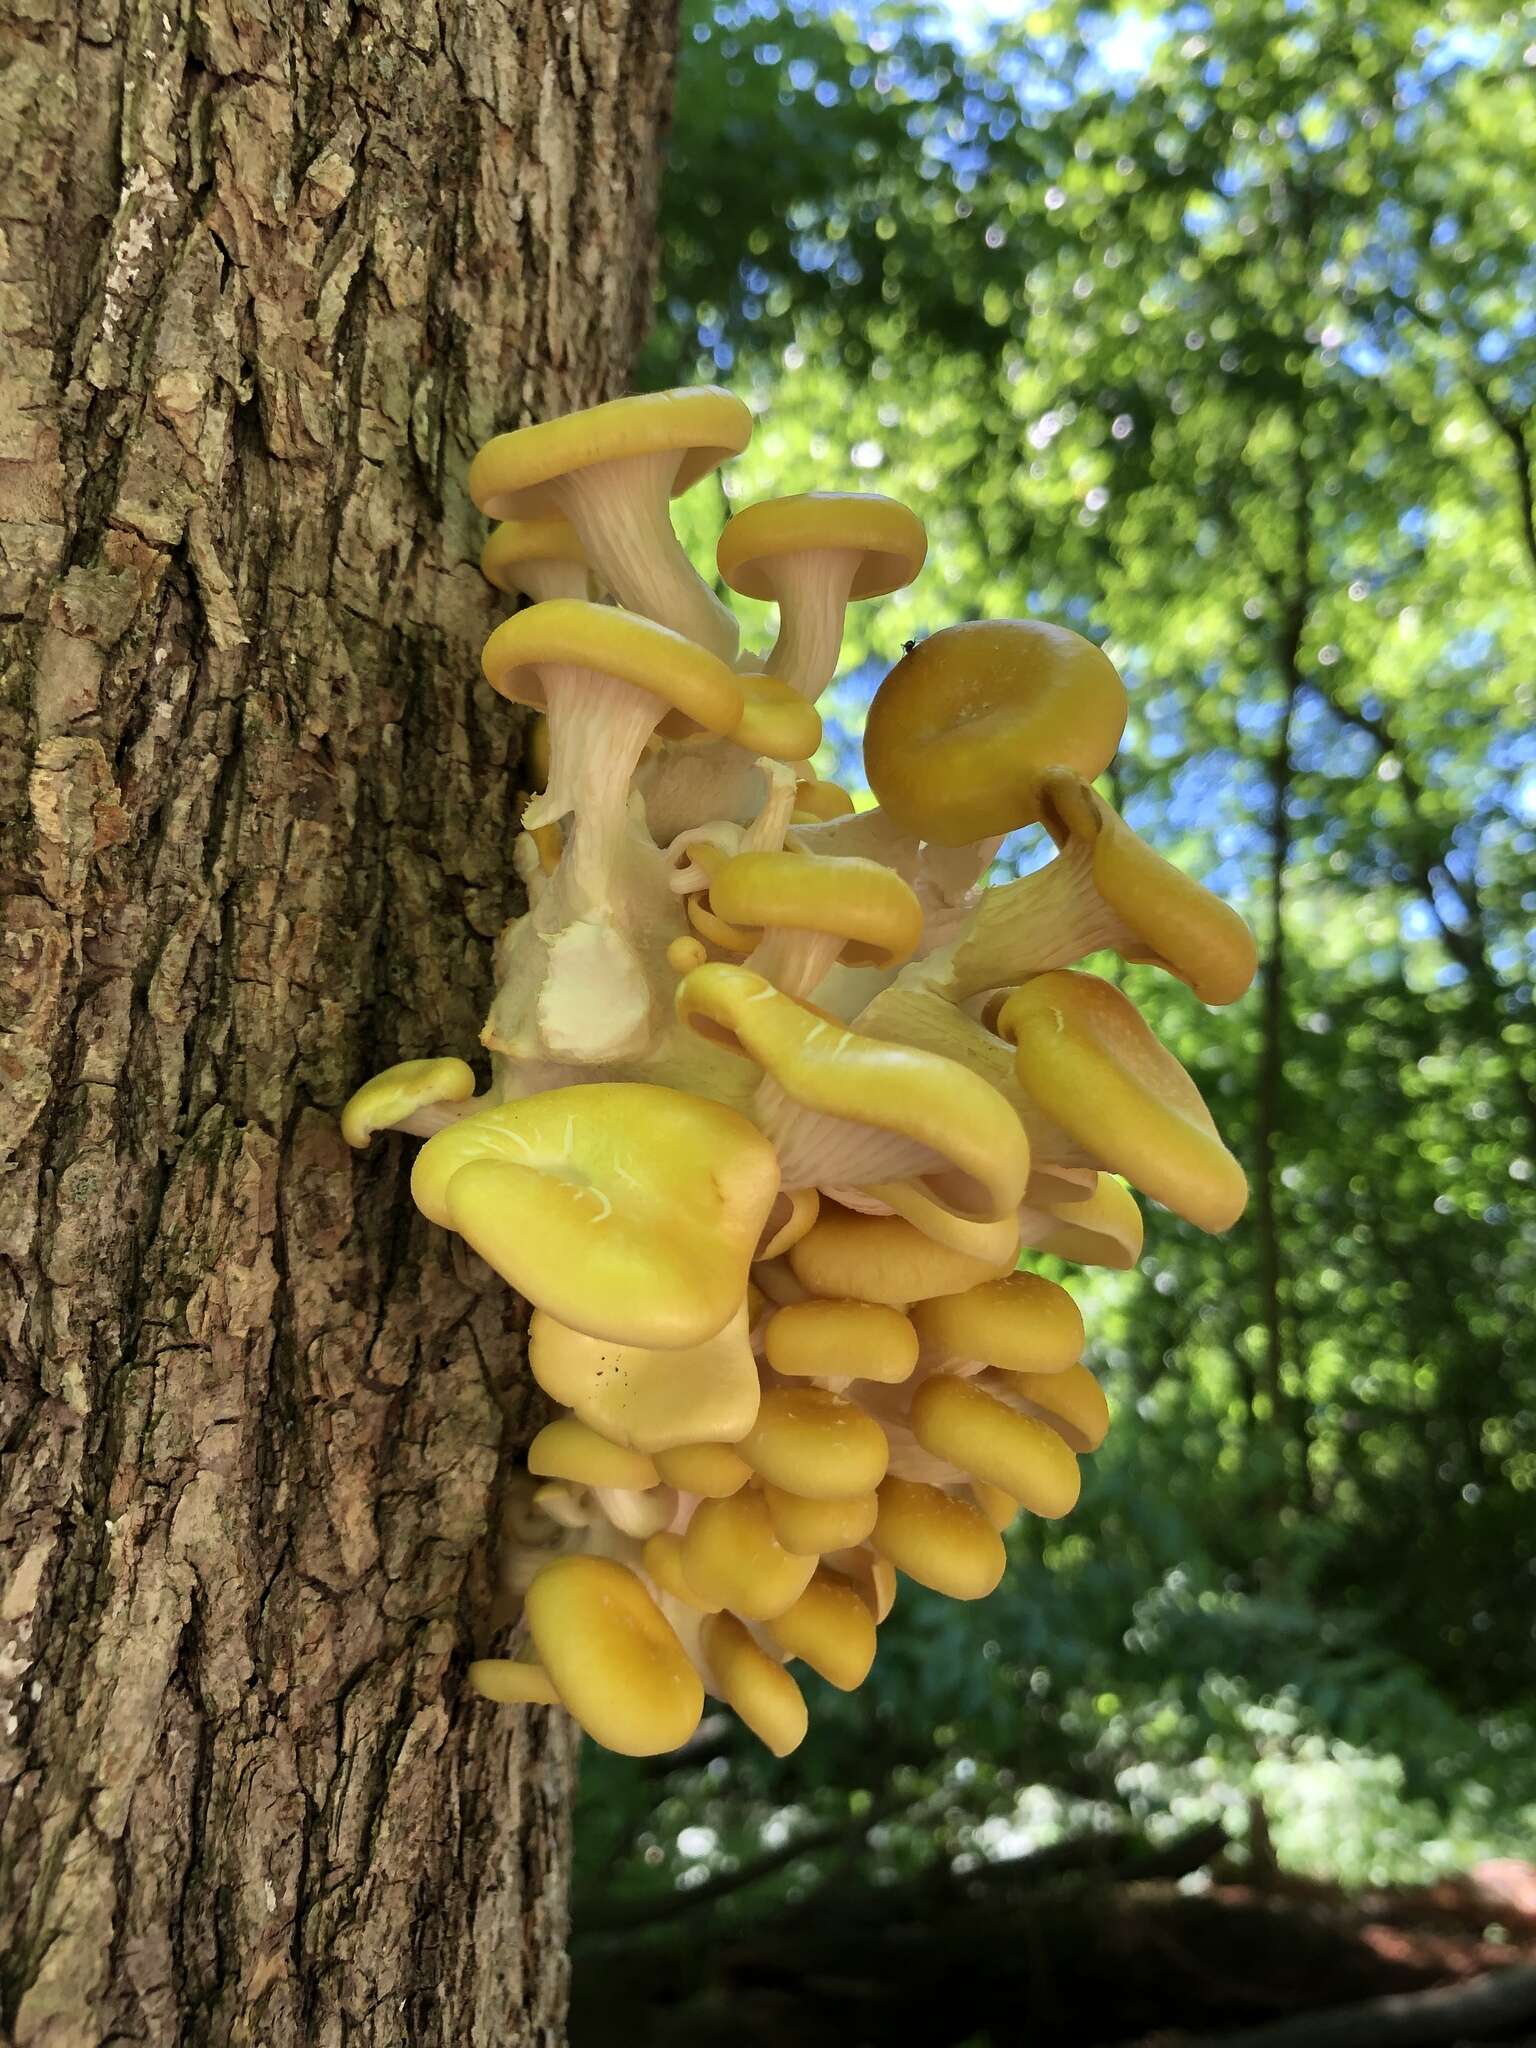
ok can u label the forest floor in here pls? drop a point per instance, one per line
(1089, 1945)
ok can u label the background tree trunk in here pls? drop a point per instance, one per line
(269, 275)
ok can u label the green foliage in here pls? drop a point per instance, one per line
(1212, 333)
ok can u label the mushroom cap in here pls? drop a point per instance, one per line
(871, 1576)
(628, 1211)
(815, 1443)
(862, 1340)
(810, 1528)
(511, 475)
(1000, 1508)
(733, 1558)
(1072, 1402)
(981, 1162)
(514, 541)
(569, 1449)
(888, 535)
(793, 1213)
(882, 1259)
(1021, 1323)
(1084, 1053)
(994, 1243)
(714, 1471)
(751, 1682)
(511, 1683)
(966, 724)
(661, 1558)
(775, 720)
(941, 1542)
(966, 1426)
(613, 1656)
(869, 907)
(1104, 1230)
(831, 1629)
(695, 688)
(395, 1094)
(646, 1399)
(1180, 925)
(821, 801)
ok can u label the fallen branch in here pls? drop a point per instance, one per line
(1407, 2019)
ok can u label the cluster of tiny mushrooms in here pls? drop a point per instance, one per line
(780, 1090)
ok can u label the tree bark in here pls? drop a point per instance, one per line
(267, 277)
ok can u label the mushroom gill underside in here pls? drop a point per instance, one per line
(782, 1096)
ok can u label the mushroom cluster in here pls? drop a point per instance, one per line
(780, 1091)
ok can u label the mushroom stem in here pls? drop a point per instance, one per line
(812, 589)
(598, 727)
(437, 1116)
(546, 580)
(620, 510)
(795, 961)
(1042, 921)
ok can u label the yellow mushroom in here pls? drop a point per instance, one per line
(1105, 1229)
(831, 1628)
(810, 1528)
(760, 1690)
(813, 913)
(966, 725)
(715, 1471)
(863, 1340)
(1071, 1402)
(843, 1107)
(962, 1423)
(885, 1260)
(569, 1449)
(512, 1684)
(613, 1657)
(941, 1542)
(611, 471)
(815, 1443)
(629, 1212)
(648, 1399)
(1020, 1323)
(536, 558)
(1083, 1049)
(418, 1097)
(732, 1556)
(812, 555)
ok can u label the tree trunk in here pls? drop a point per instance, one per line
(269, 276)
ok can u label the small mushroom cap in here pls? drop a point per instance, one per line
(511, 1683)
(941, 1542)
(810, 1528)
(1105, 1230)
(882, 1259)
(568, 1449)
(981, 1155)
(399, 1091)
(888, 536)
(511, 475)
(1181, 926)
(821, 801)
(695, 688)
(792, 1215)
(775, 720)
(862, 1340)
(627, 1211)
(870, 908)
(613, 1656)
(1084, 1053)
(516, 541)
(964, 727)
(1000, 1509)
(715, 1471)
(650, 1400)
(1072, 1402)
(830, 1628)
(661, 1556)
(1021, 1323)
(815, 1443)
(994, 1243)
(871, 1576)
(760, 1690)
(733, 1558)
(965, 1425)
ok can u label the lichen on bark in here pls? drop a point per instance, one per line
(267, 277)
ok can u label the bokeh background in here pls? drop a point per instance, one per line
(1212, 333)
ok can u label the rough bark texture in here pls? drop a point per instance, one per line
(267, 276)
